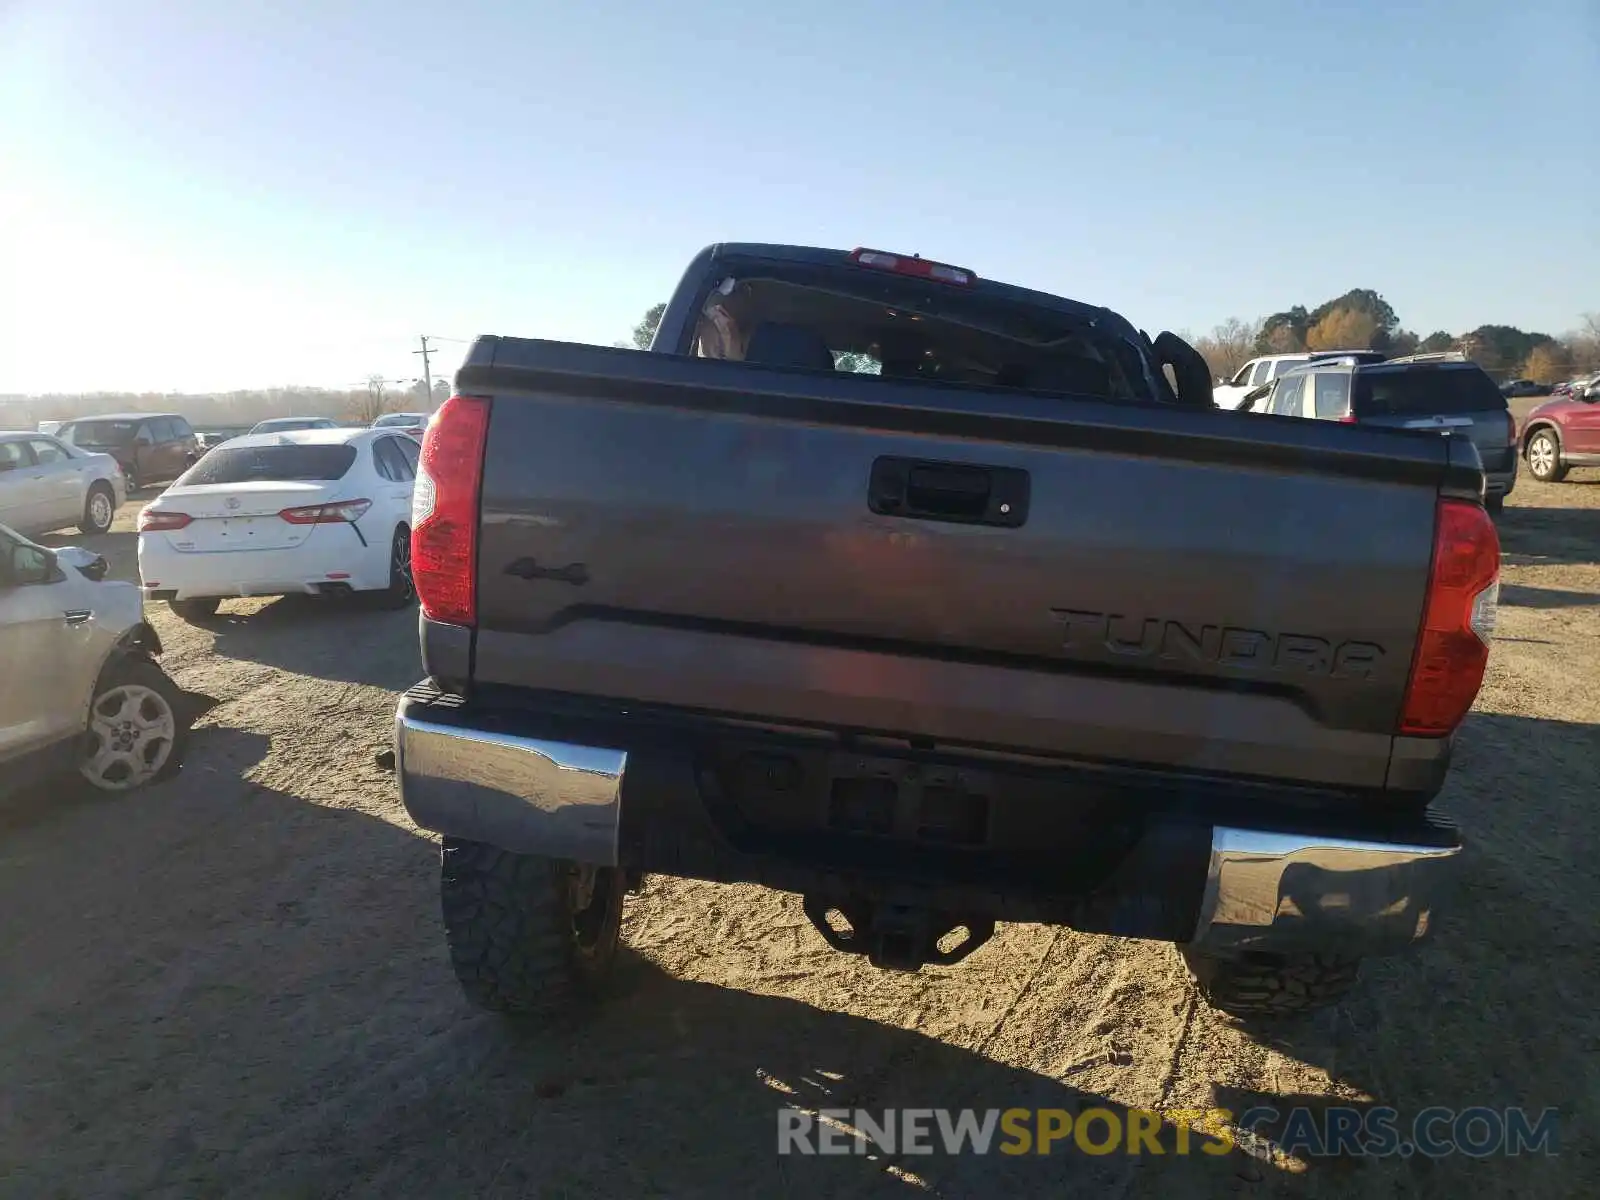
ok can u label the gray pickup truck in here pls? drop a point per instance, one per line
(931, 600)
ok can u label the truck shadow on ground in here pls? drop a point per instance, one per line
(1493, 1009)
(246, 995)
(259, 1006)
(343, 639)
(1538, 597)
(1532, 536)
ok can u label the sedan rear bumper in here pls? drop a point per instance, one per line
(310, 568)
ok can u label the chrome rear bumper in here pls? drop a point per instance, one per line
(475, 776)
(1283, 893)
(527, 795)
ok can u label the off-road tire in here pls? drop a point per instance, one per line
(196, 611)
(1271, 985)
(1556, 473)
(517, 944)
(90, 527)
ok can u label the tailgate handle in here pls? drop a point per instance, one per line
(963, 493)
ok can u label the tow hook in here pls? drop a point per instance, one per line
(896, 937)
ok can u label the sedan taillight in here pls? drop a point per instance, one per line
(154, 520)
(346, 512)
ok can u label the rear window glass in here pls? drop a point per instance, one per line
(1332, 394)
(818, 318)
(98, 433)
(244, 464)
(1413, 392)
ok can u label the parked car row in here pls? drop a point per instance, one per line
(322, 511)
(1446, 393)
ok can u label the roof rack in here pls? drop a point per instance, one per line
(1439, 356)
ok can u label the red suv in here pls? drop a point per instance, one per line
(1564, 432)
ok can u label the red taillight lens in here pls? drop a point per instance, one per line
(444, 511)
(154, 520)
(1457, 623)
(920, 268)
(342, 512)
(1348, 419)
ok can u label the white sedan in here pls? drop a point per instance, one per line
(312, 511)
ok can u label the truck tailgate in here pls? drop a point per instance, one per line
(1199, 591)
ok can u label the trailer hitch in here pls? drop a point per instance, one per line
(896, 937)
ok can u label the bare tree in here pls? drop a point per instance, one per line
(1229, 346)
(1585, 345)
(374, 402)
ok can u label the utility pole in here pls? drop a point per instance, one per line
(427, 371)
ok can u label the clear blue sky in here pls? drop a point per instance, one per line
(225, 194)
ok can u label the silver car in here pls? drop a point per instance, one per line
(81, 689)
(47, 484)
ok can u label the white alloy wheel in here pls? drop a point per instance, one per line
(132, 729)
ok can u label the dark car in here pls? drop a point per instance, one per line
(1446, 393)
(150, 447)
(1563, 432)
(1514, 388)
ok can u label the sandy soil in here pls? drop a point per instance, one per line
(234, 984)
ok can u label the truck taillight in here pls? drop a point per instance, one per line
(444, 511)
(920, 268)
(1457, 622)
(1511, 427)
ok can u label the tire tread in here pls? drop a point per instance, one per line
(508, 929)
(1284, 987)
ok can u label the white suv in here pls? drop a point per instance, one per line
(1259, 372)
(81, 690)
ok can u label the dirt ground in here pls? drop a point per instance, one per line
(235, 984)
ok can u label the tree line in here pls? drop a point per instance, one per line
(1361, 319)
(230, 410)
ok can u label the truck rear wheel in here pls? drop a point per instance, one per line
(1271, 985)
(528, 936)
